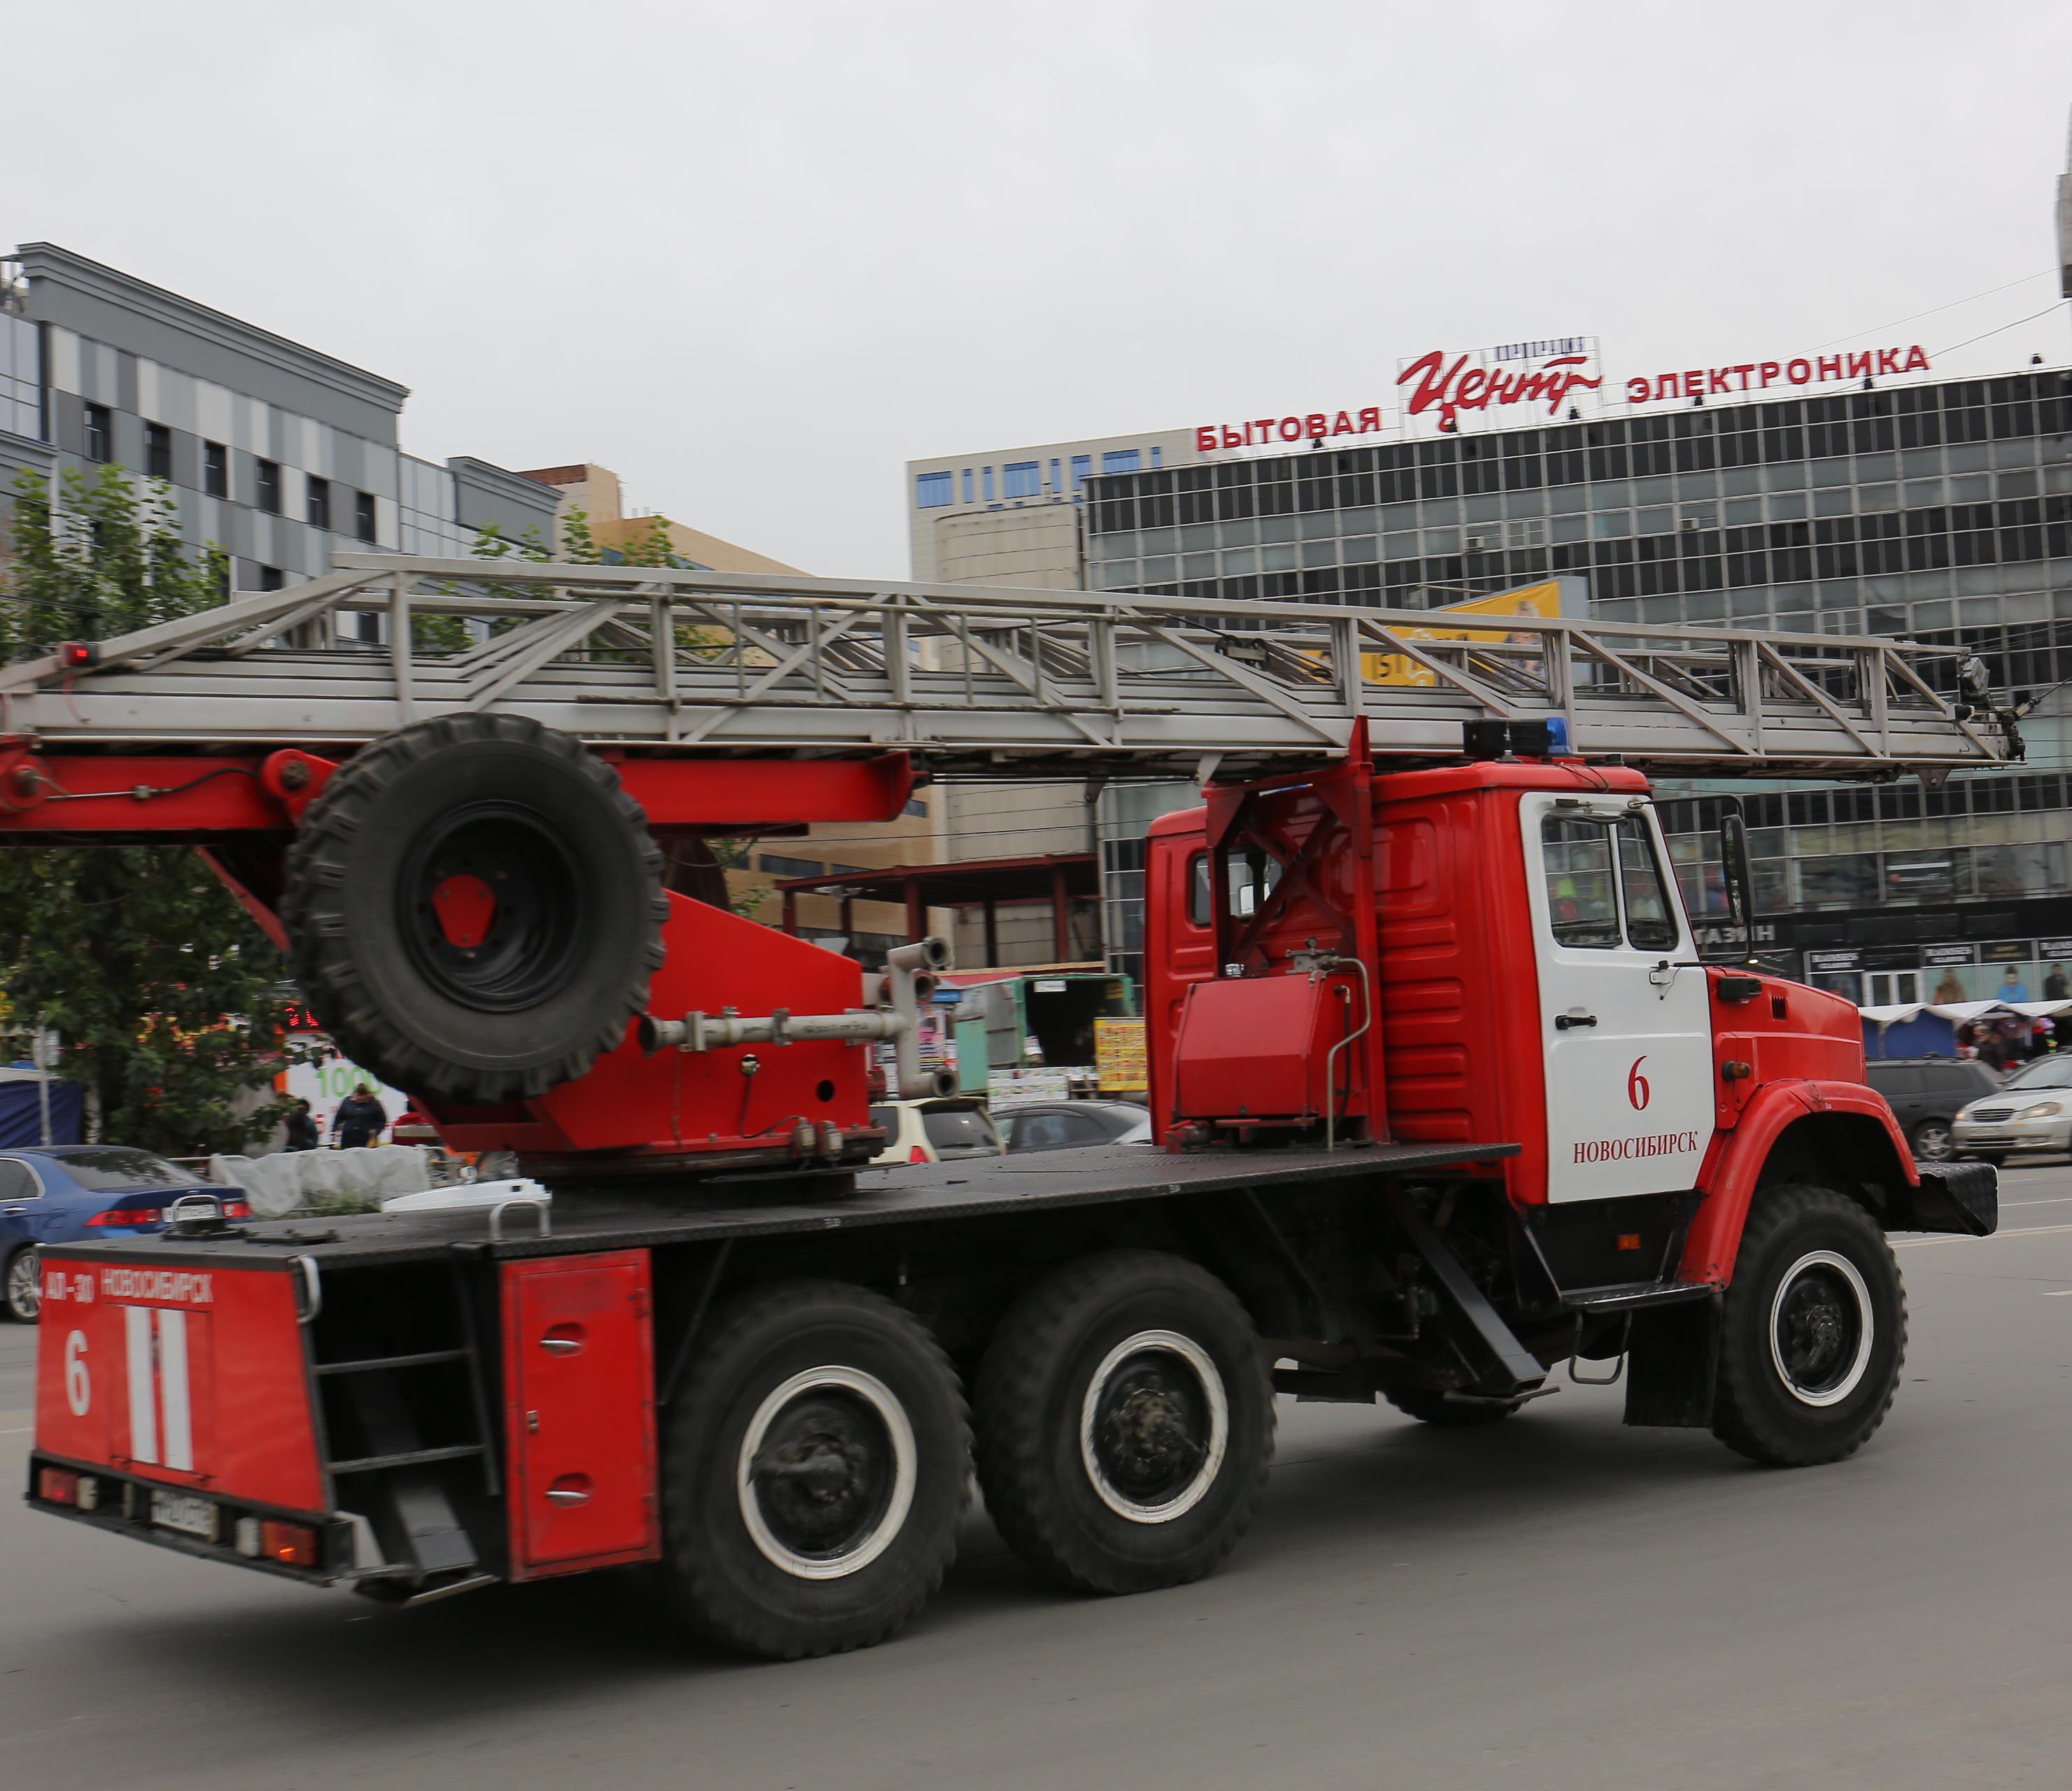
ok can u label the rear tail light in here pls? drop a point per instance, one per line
(62, 1486)
(127, 1216)
(292, 1545)
(236, 1209)
(918, 1154)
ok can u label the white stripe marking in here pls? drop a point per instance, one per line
(143, 1394)
(173, 1385)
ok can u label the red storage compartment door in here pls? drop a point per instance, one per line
(579, 1392)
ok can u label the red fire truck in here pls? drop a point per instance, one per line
(1448, 1095)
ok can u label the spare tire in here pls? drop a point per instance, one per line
(474, 908)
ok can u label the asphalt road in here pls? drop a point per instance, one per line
(1557, 1602)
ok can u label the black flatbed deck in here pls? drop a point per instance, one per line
(724, 1208)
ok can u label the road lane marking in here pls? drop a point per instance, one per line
(2019, 1231)
(2057, 1293)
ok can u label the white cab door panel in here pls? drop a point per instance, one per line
(1627, 1036)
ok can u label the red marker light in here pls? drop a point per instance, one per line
(75, 654)
(292, 1545)
(918, 1154)
(57, 1486)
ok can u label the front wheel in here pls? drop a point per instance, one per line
(23, 1298)
(1813, 1330)
(814, 1468)
(1125, 1423)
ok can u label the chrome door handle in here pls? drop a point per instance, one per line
(1562, 1022)
(560, 1346)
(567, 1496)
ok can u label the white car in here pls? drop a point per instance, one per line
(934, 1131)
(2030, 1111)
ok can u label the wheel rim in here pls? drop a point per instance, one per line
(492, 908)
(1821, 1328)
(1153, 1426)
(826, 1472)
(1932, 1142)
(23, 1295)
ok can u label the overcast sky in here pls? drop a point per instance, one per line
(756, 257)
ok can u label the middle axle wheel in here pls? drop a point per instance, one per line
(1124, 1418)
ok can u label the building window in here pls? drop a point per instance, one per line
(270, 491)
(1119, 460)
(1057, 483)
(1083, 468)
(968, 495)
(932, 490)
(1157, 457)
(271, 578)
(319, 503)
(987, 476)
(96, 433)
(157, 451)
(363, 515)
(1024, 479)
(215, 469)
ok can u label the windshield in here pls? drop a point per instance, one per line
(2046, 1073)
(115, 1169)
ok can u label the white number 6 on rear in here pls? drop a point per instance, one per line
(79, 1386)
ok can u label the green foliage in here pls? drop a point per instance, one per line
(106, 558)
(168, 996)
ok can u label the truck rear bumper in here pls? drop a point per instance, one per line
(124, 1505)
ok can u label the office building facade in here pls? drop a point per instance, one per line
(279, 454)
(1940, 511)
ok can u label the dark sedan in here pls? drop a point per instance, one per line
(1061, 1125)
(69, 1193)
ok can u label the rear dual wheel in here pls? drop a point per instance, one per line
(1125, 1423)
(814, 1469)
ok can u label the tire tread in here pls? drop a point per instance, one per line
(1739, 1419)
(1032, 1337)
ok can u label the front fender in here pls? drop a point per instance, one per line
(1842, 1127)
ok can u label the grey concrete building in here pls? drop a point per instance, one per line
(276, 451)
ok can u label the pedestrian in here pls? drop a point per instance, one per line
(358, 1120)
(302, 1128)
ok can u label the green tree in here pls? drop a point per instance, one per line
(170, 1000)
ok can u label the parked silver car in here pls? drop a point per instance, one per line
(2030, 1111)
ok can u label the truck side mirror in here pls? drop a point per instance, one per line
(1735, 873)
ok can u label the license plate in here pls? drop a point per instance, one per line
(184, 1513)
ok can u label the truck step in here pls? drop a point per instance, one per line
(1596, 1301)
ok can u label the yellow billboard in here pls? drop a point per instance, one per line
(1119, 1052)
(1537, 600)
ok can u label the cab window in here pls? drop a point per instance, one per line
(1580, 901)
(1650, 923)
(1251, 876)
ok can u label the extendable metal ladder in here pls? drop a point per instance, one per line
(983, 683)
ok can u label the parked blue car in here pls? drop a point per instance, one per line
(68, 1193)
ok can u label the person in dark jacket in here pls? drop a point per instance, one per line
(302, 1134)
(358, 1120)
